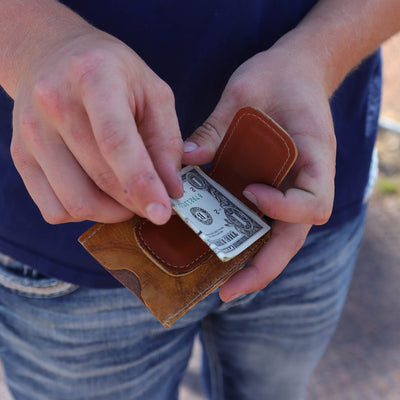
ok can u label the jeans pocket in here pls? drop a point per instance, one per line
(26, 281)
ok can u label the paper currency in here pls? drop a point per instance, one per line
(226, 224)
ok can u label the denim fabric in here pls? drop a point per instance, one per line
(103, 344)
(23, 279)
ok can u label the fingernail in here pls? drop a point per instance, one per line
(189, 146)
(250, 196)
(157, 213)
(234, 297)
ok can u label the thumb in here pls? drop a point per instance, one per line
(201, 146)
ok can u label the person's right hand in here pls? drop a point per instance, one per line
(95, 133)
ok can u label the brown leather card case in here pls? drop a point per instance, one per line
(169, 268)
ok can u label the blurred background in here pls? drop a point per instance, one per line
(363, 359)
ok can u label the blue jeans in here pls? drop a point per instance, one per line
(59, 341)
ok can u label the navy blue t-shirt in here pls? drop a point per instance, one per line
(195, 47)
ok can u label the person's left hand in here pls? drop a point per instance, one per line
(290, 89)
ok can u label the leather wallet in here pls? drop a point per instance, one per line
(169, 268)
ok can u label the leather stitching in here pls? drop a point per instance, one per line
(265, 122)
(221, 277)
(143, 240)
(93, 233)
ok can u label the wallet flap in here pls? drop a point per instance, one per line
(254, 150)
(174, 247)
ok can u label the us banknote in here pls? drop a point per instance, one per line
(221, 220)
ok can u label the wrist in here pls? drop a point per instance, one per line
(311, 54)
(336, 35)
(29, 31)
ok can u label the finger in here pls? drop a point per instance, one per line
(76, 133)
(38, 187)
(294, 205)
(286, 240)
(111, 119)
(308, 191)
(66, 114)
(64, 180)
(201, 146)
(80, 197)
(161, 135)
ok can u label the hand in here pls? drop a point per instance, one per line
(95, 132)
(287, 89)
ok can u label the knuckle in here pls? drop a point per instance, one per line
(78, 211)
(159, 92)
(321, 213)
(165, 93)
(208, 132)
(47, 94)
(18, 153)
(111, 138)
(332, 142)
(78, 134)
(175, 144)
(143, 181)
(56, 217)
(106, 180)
(29, 125)
(171, 145)
(85, 66)
(238, 89)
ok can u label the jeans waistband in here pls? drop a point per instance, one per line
(29, 282)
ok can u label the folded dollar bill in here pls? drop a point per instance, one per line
(222, 221)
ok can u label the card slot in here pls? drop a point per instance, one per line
(174, 247)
